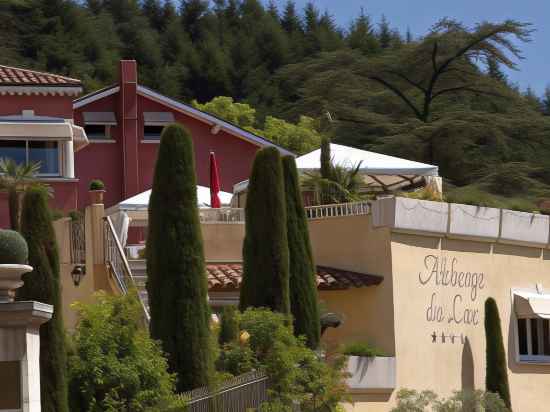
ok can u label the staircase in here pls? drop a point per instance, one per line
(139, 273)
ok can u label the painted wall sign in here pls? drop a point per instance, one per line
(446, 273)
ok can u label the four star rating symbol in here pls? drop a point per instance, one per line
(451, 338)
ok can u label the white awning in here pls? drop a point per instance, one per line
(158, 118)
(99, 118)
(531, 304)
(58, 131)
(140, 202)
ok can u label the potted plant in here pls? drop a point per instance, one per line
(97, 189)
(13, 263)
(369, 369)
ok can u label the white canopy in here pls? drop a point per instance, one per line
(531, 304)
(141, 201)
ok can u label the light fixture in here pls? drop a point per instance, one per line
(78, 273)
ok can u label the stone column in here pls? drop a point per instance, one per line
(19, 344)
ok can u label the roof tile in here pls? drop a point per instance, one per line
(12, 76)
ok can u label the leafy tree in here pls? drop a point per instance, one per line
(240, 114)
(496, 375)
(315, 384)
(265, 280)
(43, 285)
(14, 178)
(303, 285)
(115, 365)
(175, 263)
(421, 74)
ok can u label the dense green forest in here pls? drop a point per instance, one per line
(442, 98)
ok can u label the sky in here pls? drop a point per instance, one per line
(419, 15)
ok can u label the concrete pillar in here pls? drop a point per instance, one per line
(68, 159)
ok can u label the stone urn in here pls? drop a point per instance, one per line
(10, 280)
(96, 196)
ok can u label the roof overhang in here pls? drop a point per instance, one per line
(15, 90)
(531, 304)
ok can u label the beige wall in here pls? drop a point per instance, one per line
(444, 367)
(223, 241)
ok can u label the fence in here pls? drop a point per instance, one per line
(77, 235)
(224, 215)
(337, 210)
(117, 262)
(241, 394)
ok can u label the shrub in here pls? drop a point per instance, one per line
(13, 248)
(361, 349)
(296, 373)
(427, 401)
(75, 215)
(114, 365)
(97, 184)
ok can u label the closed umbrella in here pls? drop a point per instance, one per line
(214, 182)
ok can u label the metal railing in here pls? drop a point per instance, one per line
(242, 393)
(337, 210)
(77, 235)
(223, 215)
(117, 262)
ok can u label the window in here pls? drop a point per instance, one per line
(98, 131)
(152, 132)
(534, 339)
(26, 151)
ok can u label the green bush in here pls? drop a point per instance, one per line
(13, 248)
(97, 184)
(229, 325)
(114, 365)
(296, 373)
(361, 349)
(462, 401)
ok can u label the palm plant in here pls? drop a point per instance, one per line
(14, 179)
(343, 185)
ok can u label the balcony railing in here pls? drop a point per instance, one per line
(223, 215)
(117, 262)
(337, 210)
(77, 235)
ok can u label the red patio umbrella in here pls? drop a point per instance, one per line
(214, 182)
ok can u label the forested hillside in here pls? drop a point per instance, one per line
(442, 98)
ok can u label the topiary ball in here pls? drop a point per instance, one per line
(13, 248)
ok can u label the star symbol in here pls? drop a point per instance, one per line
(434, 337)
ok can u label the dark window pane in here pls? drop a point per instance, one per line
(546, 336)
(13, 149)
(47, 154)
(534, 337)
(522, 335)
(152, 132)
(94, 131)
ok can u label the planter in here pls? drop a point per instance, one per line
(96, 196)
(474, 221)
(524, 228)
(10, 280)
(371, 375)
(411, 215)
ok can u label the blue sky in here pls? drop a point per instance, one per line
(419, 15)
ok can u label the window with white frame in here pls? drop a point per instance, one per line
(28, 151)
(533, 339)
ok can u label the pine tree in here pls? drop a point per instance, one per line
(494, 71)
(546, 101)
(361, 35)
(303, 286)
(153, 10)
(291, 21)
(385, 34)
(43, 285)
(409, 38)
(496, 378)
(192, 11)
(176, 281)
(533, 100)
(265, 250)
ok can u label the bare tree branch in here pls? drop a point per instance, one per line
(398, 93)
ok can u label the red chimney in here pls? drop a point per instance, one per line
(129, 125)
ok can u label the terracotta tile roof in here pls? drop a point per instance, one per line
(12, 76)
(228, 276)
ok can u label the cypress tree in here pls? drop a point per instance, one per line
(326, 163)
(43, 285)
(265, 248)
(303, 287)
(229, 326)
(176, 281)
(496, 378)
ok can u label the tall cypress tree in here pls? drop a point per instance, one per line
(43, 285)
(176, 281)
(303, 287)
(496, 378)
(265, 248)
